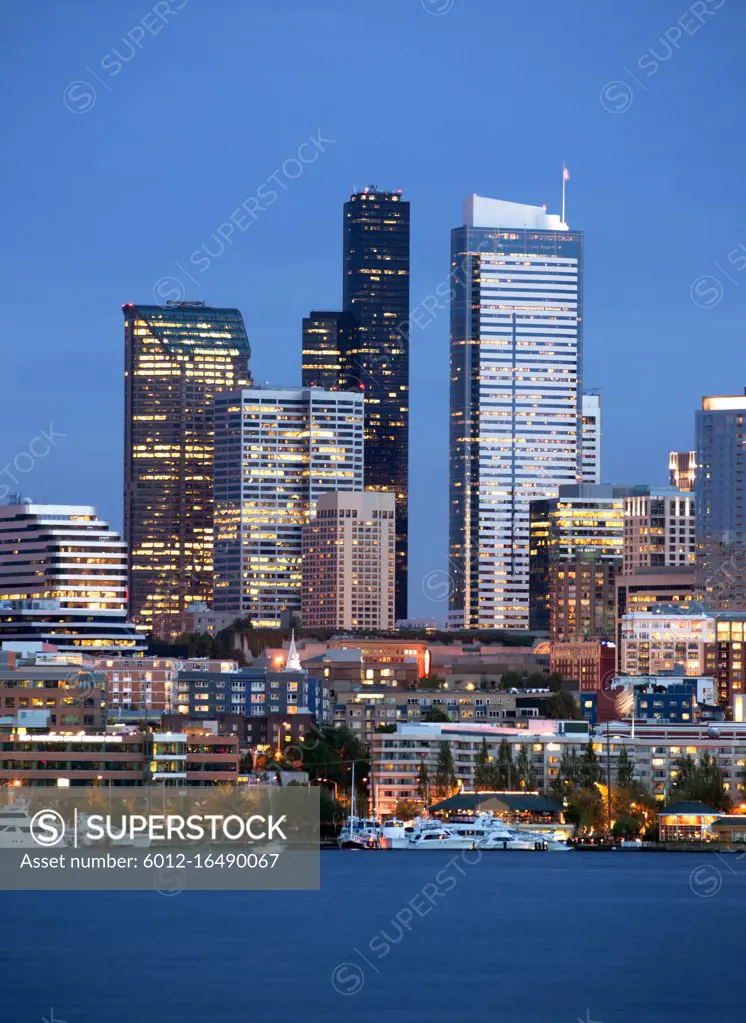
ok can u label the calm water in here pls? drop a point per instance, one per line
(613, 938)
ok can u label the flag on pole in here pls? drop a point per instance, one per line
(565, 172)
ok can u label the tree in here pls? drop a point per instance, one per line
(504, 769)
(406, 809)
(625, 771)
(510, 680)
(445, 772)
(431, 682)
(562, 705)
(423, 782)
(590, 769)
(586, 809)
(554, 681)
(524, 769)
(435, 713)
(386, 728)
(483, 769)
(700, 782)
(568, 776)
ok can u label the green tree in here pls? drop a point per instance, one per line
(562, 706)
(586, 809)
(435, 713)
(386, 728)
(483, 769)
(568, 776)
(406, 809)
(445, 772)
(504, 768)
(554, 681)
(625, 769)
(423, 782)
(590, 769)
(700, 782)
(510, 680)
(525, 769)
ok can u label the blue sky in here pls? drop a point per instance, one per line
(133, 132)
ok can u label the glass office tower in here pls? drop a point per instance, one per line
(277, 450)
(720, 501)
(376, 294)
(177, 358)
(516, 348)
(327, 342)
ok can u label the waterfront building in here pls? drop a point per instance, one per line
(585, 523)
(124, 757)
(349, 562)
(277, 451)
(177, 358)
(516, 346)
(721, 501)
(590, 469)
(328, 340)
(376, 295)
(682, 470)
(659, 530)
(654, 750)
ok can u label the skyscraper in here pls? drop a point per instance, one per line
(658, 530)
(682, 470)
(276, 452)
(177, 358)
(585, 521)
(327, 342)
(516, 346)
(591, 439)
(720, 491)
(63, 579)
(376, 294)
(348, 562)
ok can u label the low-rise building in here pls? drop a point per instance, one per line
(149, 683)
(654, 750)
(589, 662)
(365, 710)
(124, 757)
(71, 693)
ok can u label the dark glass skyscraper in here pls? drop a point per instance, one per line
(376, 294)
(177, 358)
(327, 342)
(720, 501)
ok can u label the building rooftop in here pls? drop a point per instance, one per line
(482, 212)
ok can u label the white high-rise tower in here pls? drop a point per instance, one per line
(516, 346)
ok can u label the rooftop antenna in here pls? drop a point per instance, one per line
(565, 179)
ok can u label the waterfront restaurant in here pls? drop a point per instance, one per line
(515, 808)
(730, 828)
(686, 822)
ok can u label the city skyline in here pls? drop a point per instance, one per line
(66, 333)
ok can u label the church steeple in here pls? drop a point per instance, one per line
(293, 660)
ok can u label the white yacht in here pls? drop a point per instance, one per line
(15, 828)
(360, 833)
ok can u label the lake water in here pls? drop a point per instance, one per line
(421, 937)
